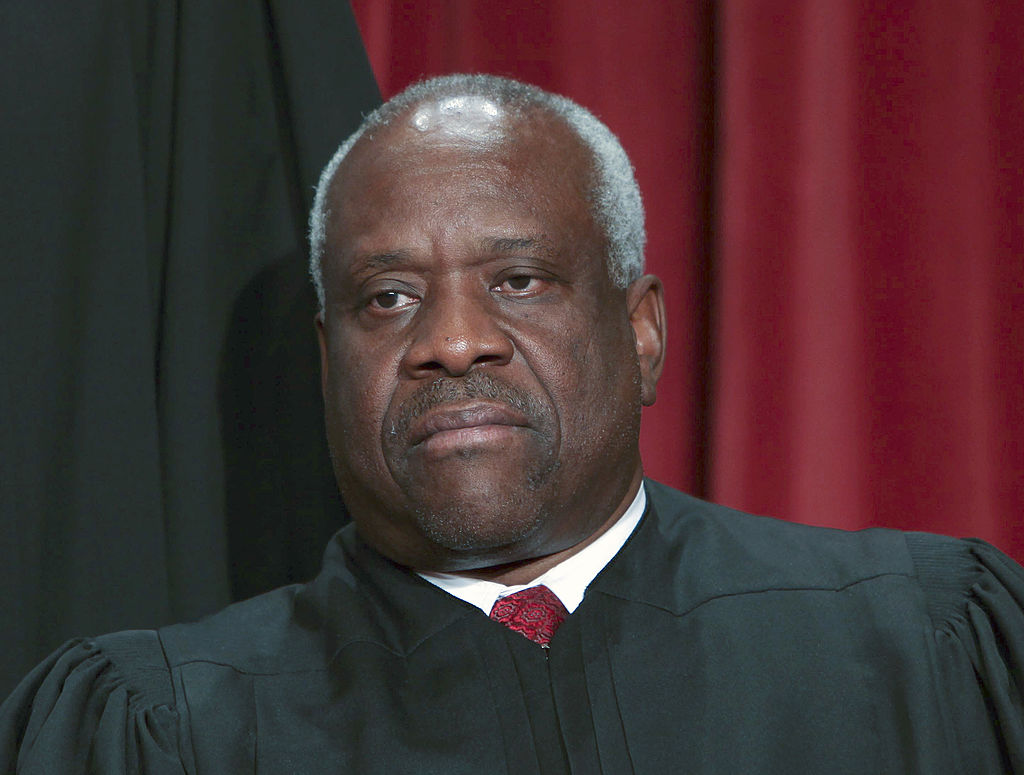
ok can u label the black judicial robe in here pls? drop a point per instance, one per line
(715, 642)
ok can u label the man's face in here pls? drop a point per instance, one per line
(481, 373)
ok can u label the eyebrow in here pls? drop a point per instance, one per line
(514, 244)
(492, 245)
(376, 260)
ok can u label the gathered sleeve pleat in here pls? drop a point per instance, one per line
(975, 594)
(97, 707)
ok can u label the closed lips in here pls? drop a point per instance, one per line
(475, 416)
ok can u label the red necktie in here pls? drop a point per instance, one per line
(534, 613)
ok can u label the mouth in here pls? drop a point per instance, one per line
(464, 425)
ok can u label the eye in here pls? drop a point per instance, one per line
(391, 300)
(521, 285)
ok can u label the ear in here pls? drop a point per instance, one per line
(646, 301)
(322, 339)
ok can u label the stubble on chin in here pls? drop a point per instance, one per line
(463, 524)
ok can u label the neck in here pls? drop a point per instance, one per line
(525, 571)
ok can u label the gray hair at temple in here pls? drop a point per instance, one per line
(614, 197)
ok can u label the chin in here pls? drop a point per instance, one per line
(474, 529)
(480, 502)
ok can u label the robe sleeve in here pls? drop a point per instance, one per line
(975, 595)
(99, 707)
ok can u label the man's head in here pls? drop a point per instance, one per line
(487, 337)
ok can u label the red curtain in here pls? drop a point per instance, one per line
(870, 295)
(834, 195)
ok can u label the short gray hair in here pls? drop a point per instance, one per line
(615, 197)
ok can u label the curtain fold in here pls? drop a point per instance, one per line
(868, 346)
(158, 160)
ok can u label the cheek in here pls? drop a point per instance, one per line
(601, 388)
(589, 369)
(359, 390)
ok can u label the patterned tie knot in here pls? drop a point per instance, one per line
(534, 613)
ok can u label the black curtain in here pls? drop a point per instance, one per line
(161, 447)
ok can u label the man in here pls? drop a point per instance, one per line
(487, 340)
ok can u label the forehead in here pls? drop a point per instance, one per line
(463, 162)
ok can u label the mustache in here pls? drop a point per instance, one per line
(450, 390)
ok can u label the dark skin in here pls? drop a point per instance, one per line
(482, 375)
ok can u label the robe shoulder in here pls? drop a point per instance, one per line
(963, 597)
(720, 551)
(104, 705)
(117, 703)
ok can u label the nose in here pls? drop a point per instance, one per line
(455, 333)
